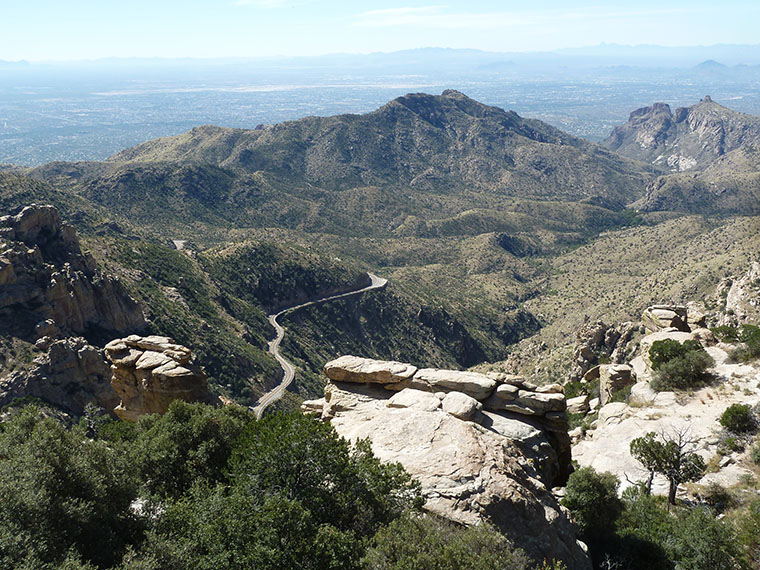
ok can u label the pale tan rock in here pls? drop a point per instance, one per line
(417, 399)
(366, 370)
(551, 389)
(461, 405)
(612, 378)
(149, 373)
(504, 378)
(313, 407)
(541, 402)
(703, 336)
(578, 405)
(479, 386)
(660, 317)
(151, 359)
(469, 473)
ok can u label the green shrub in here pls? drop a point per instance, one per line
(738, 418)
(592, 498)
(754, 454)
(679, 366)
(749, 349)
(726, 333)
(415, 541)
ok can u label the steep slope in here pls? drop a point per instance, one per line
(691, 138)
(711, 150)
(729, 185)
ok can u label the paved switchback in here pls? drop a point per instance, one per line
(274, 346)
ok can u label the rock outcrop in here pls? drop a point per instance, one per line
(595, 340)
(613, 378)
(742, 302)
(149, 373)
(49, 287)
(70, 375)
(692, 137)
(660, 317)
(484, 447)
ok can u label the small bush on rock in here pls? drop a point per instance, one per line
(679, 366)
(738, 418)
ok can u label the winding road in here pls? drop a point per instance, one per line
(274, 345)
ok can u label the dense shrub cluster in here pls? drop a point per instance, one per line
(679, 366)
(208, 488)
(640, 533)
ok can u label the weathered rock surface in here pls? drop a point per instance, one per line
(612, 378)
(743, 298)
(70, 375)
(48, 287)
(474, 463)
(356, 369)
(596, 339)
(149, 373)
(661, 317)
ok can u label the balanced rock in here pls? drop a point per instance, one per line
(149, 373)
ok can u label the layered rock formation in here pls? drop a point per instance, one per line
(484, 447)
(70, 375)
(150, 372)
(48, 287)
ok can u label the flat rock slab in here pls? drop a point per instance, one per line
(478, 386)
(367, 370)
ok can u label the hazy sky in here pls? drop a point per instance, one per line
(81, 29)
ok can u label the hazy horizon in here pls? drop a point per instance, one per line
(44, 30)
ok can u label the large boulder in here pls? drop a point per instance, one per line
(149, 373)
(478, 386)
(661, 317)
(362, 370)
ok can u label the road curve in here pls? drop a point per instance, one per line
(274, 345)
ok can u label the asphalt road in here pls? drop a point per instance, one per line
(274, 345)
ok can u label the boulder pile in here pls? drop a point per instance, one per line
(483, 446)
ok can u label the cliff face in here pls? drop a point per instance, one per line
(49, 288)
(483, 447)
(691, 138)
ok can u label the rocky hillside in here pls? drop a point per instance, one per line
(484, 448)
(711, 151)
(422, 141)
(689, 138)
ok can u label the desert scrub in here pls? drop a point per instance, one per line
(749, 347)
(679, 366)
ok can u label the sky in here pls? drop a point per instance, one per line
(44, 30)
